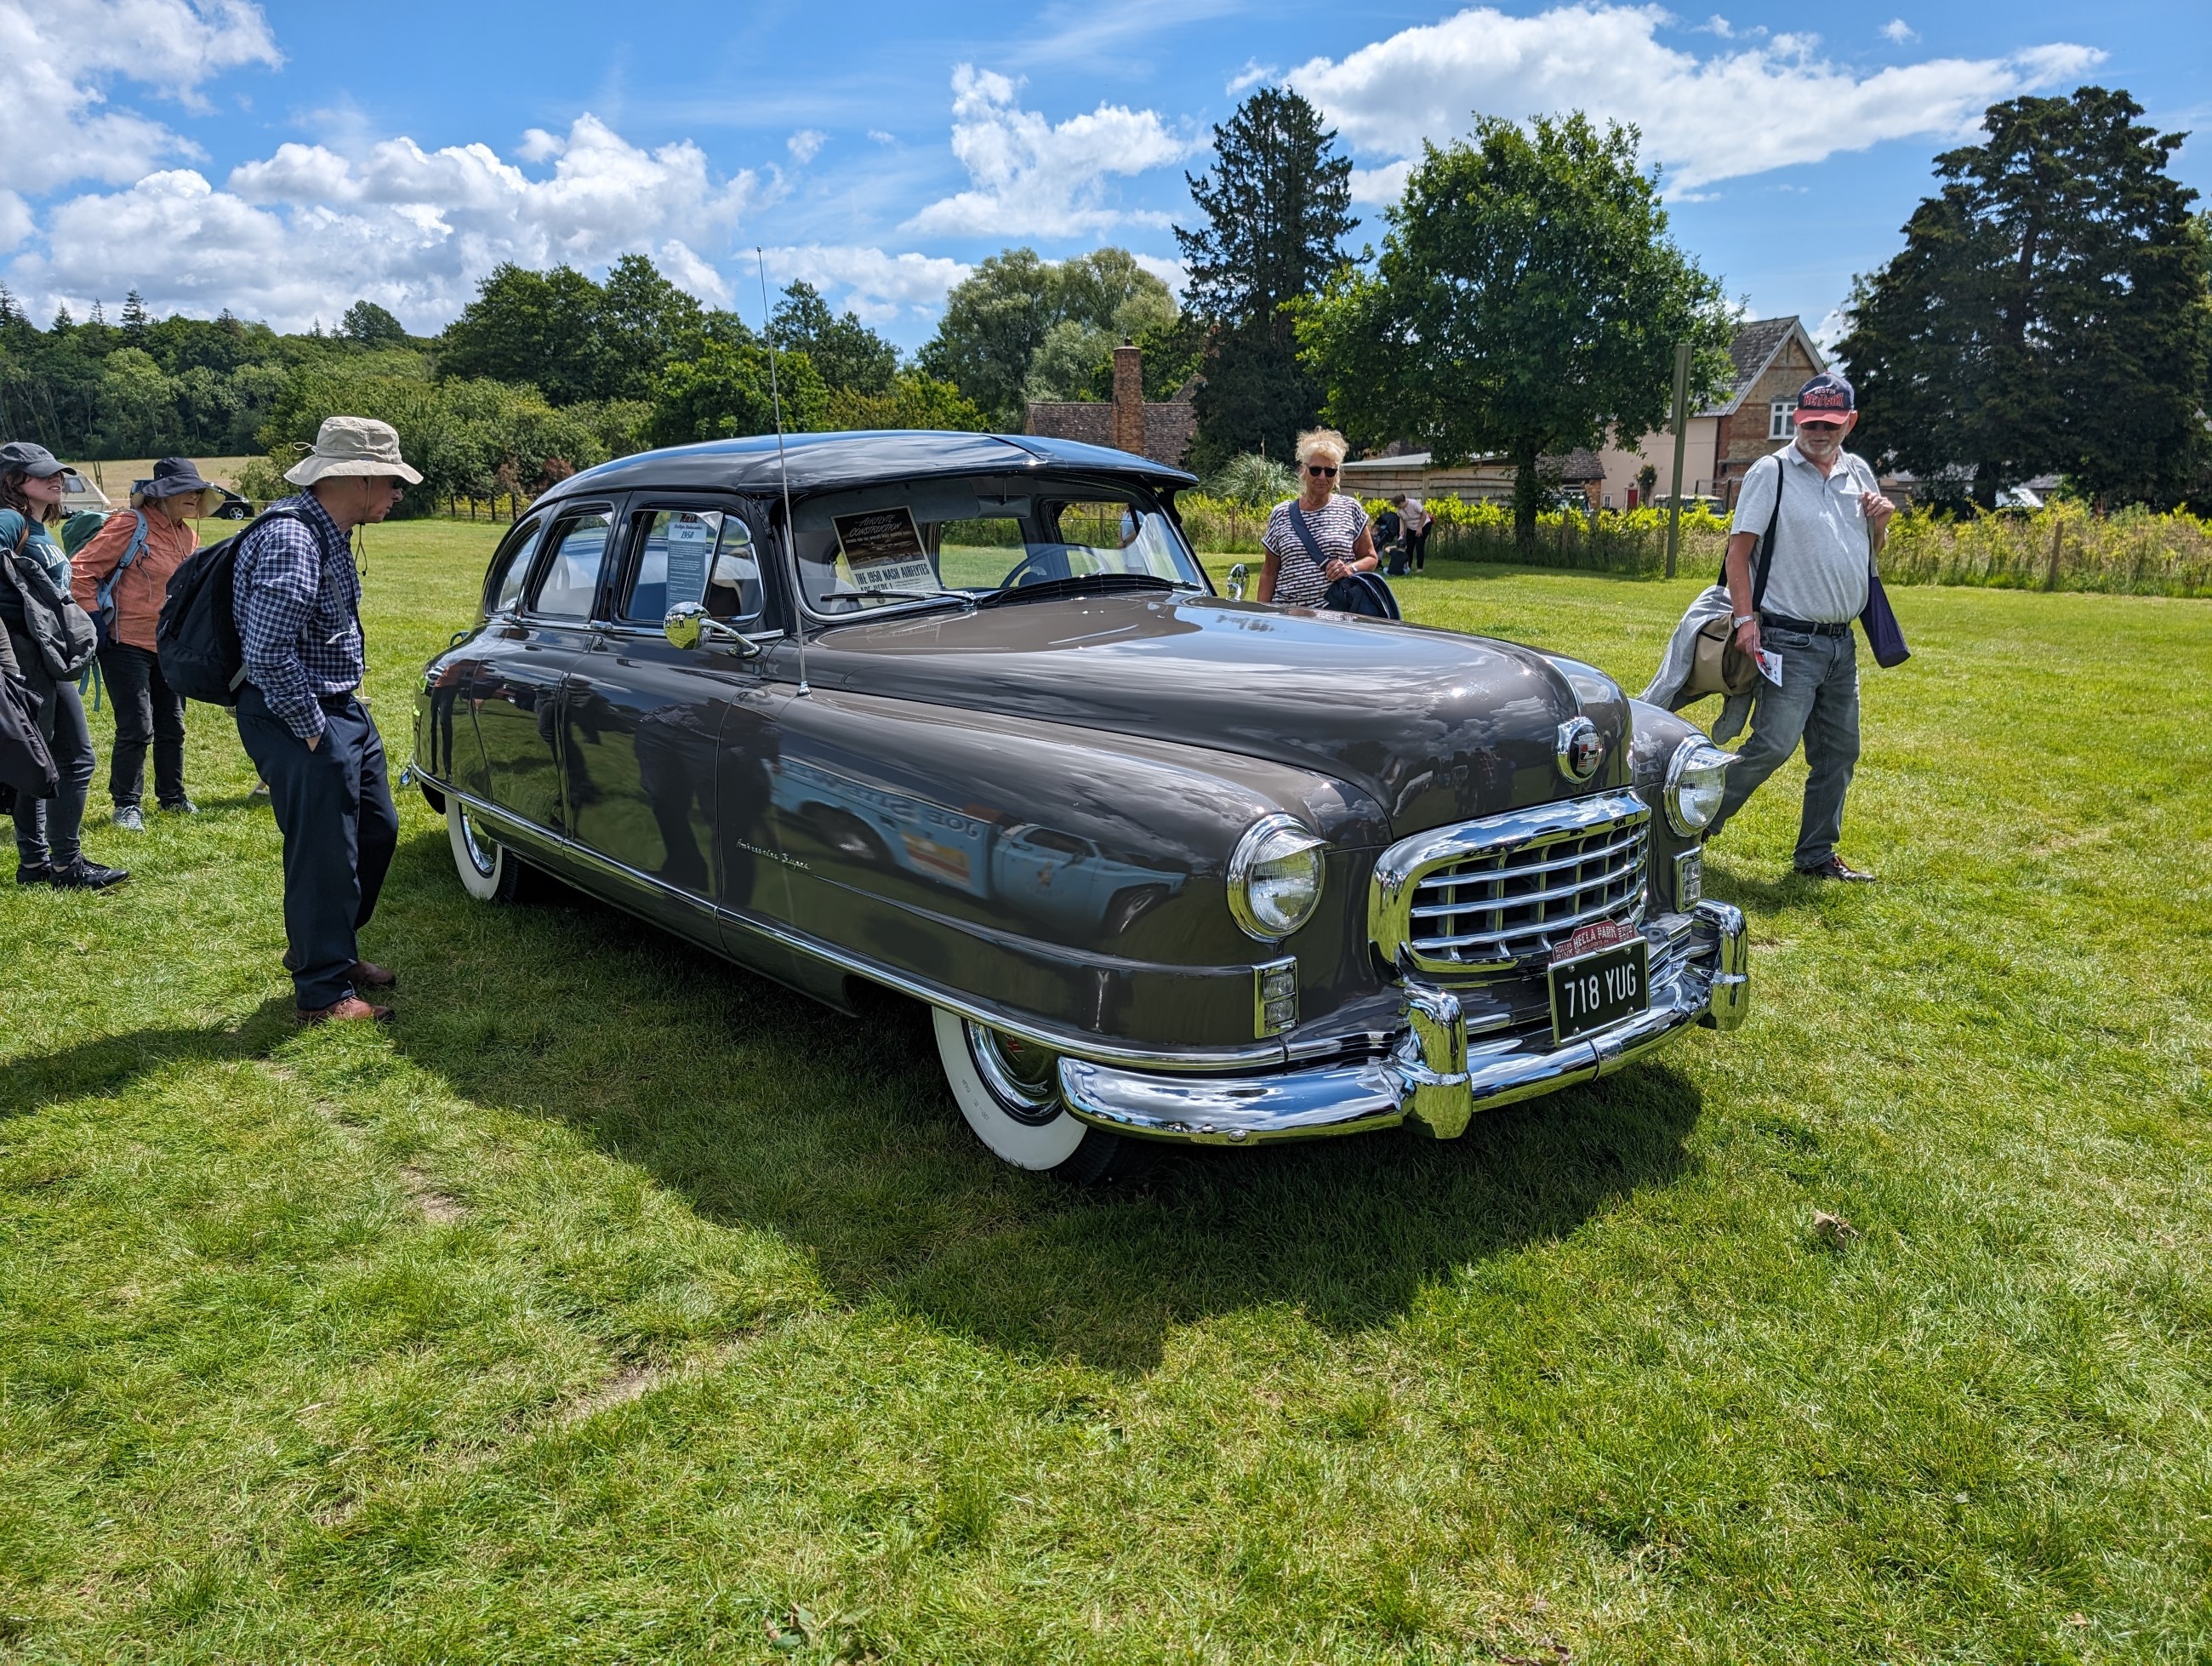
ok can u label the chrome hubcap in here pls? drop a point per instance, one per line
(1023, 1077)
(480, 856)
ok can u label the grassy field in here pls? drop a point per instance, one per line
(615, 1305)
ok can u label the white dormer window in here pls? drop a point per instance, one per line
(1778, 424)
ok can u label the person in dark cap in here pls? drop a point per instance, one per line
(47, 851)
(1830, 519)
(127, 566)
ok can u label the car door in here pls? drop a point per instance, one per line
(527, 653)
(669, 738)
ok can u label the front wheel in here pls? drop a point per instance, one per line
(1009, 1091)
(490, 872)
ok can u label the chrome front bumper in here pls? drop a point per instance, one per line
(1433, 1078)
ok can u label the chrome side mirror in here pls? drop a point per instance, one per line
(689, 625)
(1237, 576)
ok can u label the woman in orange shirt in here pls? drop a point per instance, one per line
(148, 712)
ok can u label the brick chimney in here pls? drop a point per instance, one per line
(1129, 398)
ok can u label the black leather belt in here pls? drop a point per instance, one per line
(1804, 627)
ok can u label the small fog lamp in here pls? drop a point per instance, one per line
(1695, 778)
(1274, 878)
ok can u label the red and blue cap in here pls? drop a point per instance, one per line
(1827, 398)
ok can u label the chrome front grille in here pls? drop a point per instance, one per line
(1487, 894)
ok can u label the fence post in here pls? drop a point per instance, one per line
(1681, 443)
(2057, 541)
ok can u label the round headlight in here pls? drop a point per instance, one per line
(1695, 778)
(1274, 877)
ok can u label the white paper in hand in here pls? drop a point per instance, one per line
(1770, 666)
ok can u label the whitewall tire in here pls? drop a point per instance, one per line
(1008, 1092)
(489, 870)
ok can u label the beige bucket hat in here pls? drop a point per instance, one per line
(352, 444)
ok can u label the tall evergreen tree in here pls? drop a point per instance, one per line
(2047, 313)
(1276, 206)
(372, 325)
(10, 311)
(134, 315)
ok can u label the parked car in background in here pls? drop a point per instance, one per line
(970, 724)
(81, 493)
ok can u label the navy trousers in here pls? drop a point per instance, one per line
(334, 808)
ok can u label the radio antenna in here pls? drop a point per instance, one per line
(783, 470)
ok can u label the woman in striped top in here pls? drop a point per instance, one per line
(1336, 525)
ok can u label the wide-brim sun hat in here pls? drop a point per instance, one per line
(173, 476)
(353, 445)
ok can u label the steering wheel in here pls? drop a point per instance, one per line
(1036, 567)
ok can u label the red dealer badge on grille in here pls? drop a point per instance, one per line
(1588, 939)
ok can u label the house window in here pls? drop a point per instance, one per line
(1777, 422)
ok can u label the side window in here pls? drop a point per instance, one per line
(693, 555)
(511, 566)
(572, 574)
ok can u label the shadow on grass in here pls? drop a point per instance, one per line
(764, 1109)
(108, 1063)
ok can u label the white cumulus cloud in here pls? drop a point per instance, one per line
(1033, 179)
(1899, 30)
(61, 58)
(805, 145)
(1747, 107)
(879, 288)
(301, 233)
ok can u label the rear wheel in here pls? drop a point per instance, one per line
(490, 872)
(1009, 1091)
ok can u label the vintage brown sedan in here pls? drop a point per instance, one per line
(962, 716)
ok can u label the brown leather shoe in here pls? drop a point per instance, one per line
(352, 1009)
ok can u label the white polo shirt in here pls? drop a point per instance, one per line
(1822, 546)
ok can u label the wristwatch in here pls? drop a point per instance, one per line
(1741, 620)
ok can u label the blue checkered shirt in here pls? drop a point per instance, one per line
(297, 600)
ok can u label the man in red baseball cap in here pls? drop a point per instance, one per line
(1807, 526)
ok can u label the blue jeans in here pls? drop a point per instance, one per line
(1818, 703)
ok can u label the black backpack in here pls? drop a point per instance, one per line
(198, 635)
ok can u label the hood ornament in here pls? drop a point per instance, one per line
(1580, 749)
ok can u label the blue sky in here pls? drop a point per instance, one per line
(293, 157)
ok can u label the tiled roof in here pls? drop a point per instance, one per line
(1751, 350)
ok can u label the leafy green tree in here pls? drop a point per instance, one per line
(1075, 361)
(845, 352)
(1277, 205)
(912, 401)
(723, 391)
(373, 326)
(1526, 300)
(644, 321)
(539, 328)
(138, 404)
(2048, 313)
(996, 321)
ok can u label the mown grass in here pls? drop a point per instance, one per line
(615, 1305)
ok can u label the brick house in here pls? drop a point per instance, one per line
(1773, 358)
(1160, 429)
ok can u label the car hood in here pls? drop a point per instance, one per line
(1433, 726)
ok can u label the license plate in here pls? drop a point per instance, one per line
(1593, 991)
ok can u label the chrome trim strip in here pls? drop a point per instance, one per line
(1442, 878)
(1069, 1043)
(1518, 899)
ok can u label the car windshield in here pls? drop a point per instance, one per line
(968, 539)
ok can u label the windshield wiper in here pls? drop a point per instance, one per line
(960, 596)
(1077, 584)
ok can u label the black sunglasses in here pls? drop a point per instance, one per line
(1319, 468)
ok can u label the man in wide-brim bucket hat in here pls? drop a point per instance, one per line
(298, 607)
(121, 576)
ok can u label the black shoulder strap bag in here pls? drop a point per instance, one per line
(1367, 594)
